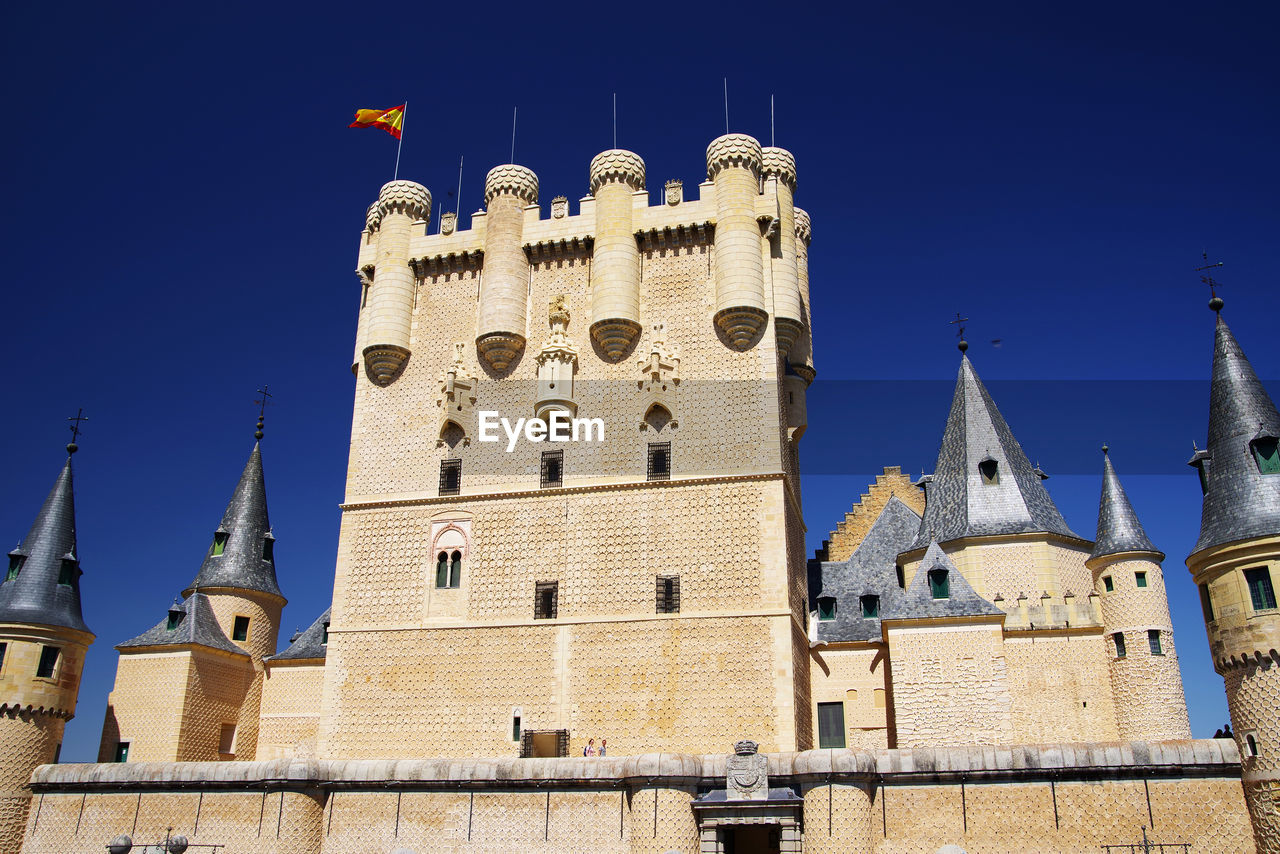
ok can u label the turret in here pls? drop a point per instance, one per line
(779, 166)
(504, 284)
(616, 175)
(801, 357)
(734, 162)
(1129, 582)
(1236, 564)
(372, 219)
(388, 311)
(43, 641)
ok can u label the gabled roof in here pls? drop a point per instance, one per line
(196, 625)
(1118, 527)
(1240, 502)
(309, 644)
(869, 571)
(917, 602)
(957, 501)
(241, 564)
(35, 596)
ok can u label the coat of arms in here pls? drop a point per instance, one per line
(747, 773)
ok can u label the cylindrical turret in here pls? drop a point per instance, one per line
(733, 163)
(389, 309)
(802, 351)
(615, 260)
(788, 316)
(362, 327)
(504, 285)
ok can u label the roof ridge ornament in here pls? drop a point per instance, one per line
(959, 323)
(1215, 301)
(75, 420)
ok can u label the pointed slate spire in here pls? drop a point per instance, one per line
(1240, 501)
(917, 601)
(1119, 530)
(308, 645)
(241, 555)
(44, 587)
(983, 483)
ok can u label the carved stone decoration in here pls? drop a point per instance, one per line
(457, 398)
(557, 363)
(675, 192)
(372, 218)
(383, 362)
(559, 207)
(660, 365)
(448, 223)
(747, 773)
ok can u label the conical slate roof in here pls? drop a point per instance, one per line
(917, 601)
(242, 564)
(1240, 502)
(309, 644)
(1118, 527)
(957, 501)
(35, 595)
(193, 623)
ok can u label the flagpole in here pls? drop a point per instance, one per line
(404, 113)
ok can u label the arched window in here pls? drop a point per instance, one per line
(1266, 453)
(990, 471)
(442, 570)
(452, 435)
(939, 584)
(657, 417)
(455, 569)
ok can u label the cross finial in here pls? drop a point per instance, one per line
(959, 323)
(1215, 301)
(262, 409)
(75, 420)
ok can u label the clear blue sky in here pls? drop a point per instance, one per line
(183, 201)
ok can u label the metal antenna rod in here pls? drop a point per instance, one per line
(726, 105)
(513, 134)
(457, 202)
(772, 141)
(615, 119)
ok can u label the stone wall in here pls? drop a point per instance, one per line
(1064, 798)
(290, 715)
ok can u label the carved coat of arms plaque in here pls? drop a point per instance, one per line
(747, 773)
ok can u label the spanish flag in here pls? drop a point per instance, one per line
(389, 120)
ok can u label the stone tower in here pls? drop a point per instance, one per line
(494, 599)
(43, 641)
(213, 642)
(1236, 564)
(1129, 583)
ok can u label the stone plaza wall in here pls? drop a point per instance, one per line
(1048, 798)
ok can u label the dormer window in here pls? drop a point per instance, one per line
(939, 584)
(219, 542)
(175, 618)
(15, 566)
(990, 471)
(324, 637)
(1266, 453)
(902, 576)
(67, 572)
(870, 607)
(269, 548)
(826, 607)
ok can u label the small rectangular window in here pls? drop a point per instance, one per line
(15, 566)
(515, 727)
(1119, 639)
(219, 542)
(659, 461)
(240, 629)
(1153, 640)
(48, 662)
(552, 468)
(269, 548)
(1140, 578)
(545, 600)
(939, 584)
(122, 751)
(902, 576)
(3, 648)
(990, 471)
(1261, 593)
(830, 725)
(668, 594)
(227, 740)
(826, 608)
(450, 477)
(1108, 584)
(870, 606)
(324, 638)
(1206, 603)
(175, 619)
(67, 573)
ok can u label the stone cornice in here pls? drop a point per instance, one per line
(450, 262)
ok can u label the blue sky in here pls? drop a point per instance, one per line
(183, 201)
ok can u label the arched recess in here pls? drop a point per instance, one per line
(658, 419)
(452, 435)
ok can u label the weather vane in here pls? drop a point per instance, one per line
(75, 429)
(1215, 301)
(959, 323)
(262, 409)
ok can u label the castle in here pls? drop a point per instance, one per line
(957, 666)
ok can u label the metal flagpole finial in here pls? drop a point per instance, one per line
(959, 323)
(1215, 301)
(262, 410)
(75, 420)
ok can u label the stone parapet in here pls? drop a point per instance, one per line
(617, 166)
(510, 179)
(404, 197)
